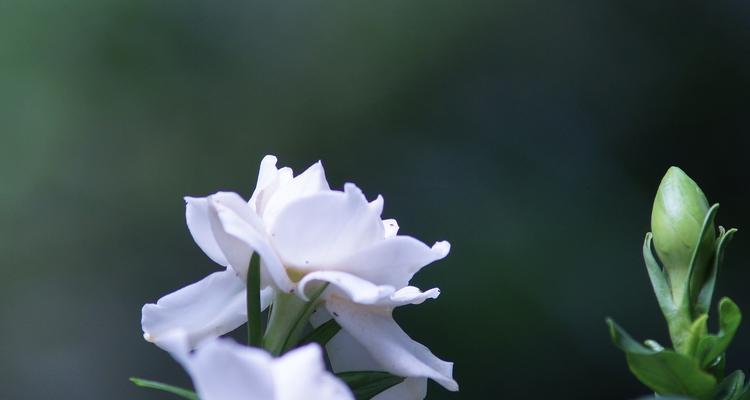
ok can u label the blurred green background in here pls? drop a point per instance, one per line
(531, 135)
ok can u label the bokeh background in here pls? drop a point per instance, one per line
(532, 135)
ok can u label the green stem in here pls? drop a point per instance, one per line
(679, 325)
(254, 331)
(289, 316)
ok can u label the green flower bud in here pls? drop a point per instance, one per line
(680, 208)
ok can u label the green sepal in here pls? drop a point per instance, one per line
(368, 384)
(690, 287)
(658, 278)
(731, 388)
(703, 302)
(698, 330)
(288, 319)
(665, 372)
(322, 334)
(711, 347)
(178, 391)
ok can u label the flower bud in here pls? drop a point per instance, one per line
(680, 208)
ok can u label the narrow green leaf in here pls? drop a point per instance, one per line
(731, 387)
(184, 393)
(322, 334)
(691, 287)
(665, 372)
(658, 279)
(625, 342)
(368, 384)
(712, 346)
(254, 330)
(703, 302)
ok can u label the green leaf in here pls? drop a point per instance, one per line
(368, 384)
(322, 334)
(658, 279)
(703, 302)
(712, 346)
(731, 388)
(254, 330)
(184, 393)
(665, 372)
(699, 253)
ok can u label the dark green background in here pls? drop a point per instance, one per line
(532, 135)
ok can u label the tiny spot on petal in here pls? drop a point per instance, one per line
(335, 314)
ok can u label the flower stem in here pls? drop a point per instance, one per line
(254, 331)
(289, 316)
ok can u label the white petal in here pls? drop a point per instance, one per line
(347, 354)
(352, 287)
(392, 261)
(391, 227)
(208, 308)
(224, 370)
(268, 177)
(388, 344)
(312, 181)
(301, 374)
(239, 232)
(197, 217)
(376, 206)
(409, 389)
(322, 229)
(409, 295)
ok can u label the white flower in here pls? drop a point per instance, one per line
(306, 233)
(224, 370)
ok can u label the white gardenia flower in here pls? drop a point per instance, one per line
(305, 233)
(224, 370)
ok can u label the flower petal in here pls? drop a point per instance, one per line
(301, 374)
(392, 261)
(388, 344)
(210, 307)
(224, 370)
(239, 232)
(347, 354)
(391, 227)
(312, 181)
(198, 222)
(268, 176)
(409, 389)
(324, 228)
(409, 295)
(352, 287)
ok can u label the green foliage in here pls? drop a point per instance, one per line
(184, 393)
(322, 334)
(712, 347)
(683, 279)
(665, 371)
